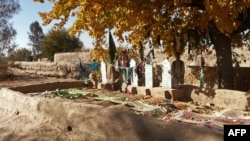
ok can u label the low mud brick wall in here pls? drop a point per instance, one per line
(48, 86)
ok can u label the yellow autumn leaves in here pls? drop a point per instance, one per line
(145, 19)
(225, 13)
(99, 54)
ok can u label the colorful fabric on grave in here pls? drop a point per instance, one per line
(85, 78)
(82, 70)
(213, 122)
(127, 72)
(123, 58)
(116, 100)
(81, 67)
(190, 118)
(71, 93)
(139, 69)
(94, 66)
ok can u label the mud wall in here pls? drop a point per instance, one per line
(52, 69)
(48, 86)
(192, 76)
(241, 77)
(72, 57)
(3, 71)
(65, 65)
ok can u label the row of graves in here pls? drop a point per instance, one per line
(208, 116)
(127, 75)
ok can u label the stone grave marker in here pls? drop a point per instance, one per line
(134, 78)
(104, 72)
(149, 75)
(166, 74)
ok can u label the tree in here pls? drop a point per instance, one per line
(7, 35)
(174, 22)
(21, 54)
(7, 9)
(58, 41)
(36, 38)
(7, 32)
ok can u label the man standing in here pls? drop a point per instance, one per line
(177, 71)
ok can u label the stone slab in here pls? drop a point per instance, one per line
(219, 97)
(109, 86)
(223, 98)
(172, 94)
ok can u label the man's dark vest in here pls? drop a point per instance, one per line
(174, 64)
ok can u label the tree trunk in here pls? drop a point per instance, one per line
(223, 50)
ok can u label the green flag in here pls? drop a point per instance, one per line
(112, 48)
(141, 50)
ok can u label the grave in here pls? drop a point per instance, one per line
(134, 76)
(148, 75)
(103, 72)
(109, 82)
(166, 74)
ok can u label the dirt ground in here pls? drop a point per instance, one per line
(31, 117)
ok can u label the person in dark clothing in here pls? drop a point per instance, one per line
(177, 70)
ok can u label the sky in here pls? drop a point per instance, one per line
(29, 14)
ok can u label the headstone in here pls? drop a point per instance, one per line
(166, 74)
(148, 75)
(134, 78)
(104, 72)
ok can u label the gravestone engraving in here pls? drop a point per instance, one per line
(104, 72)
(166, 74)
(134, 78)
(148, 75)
